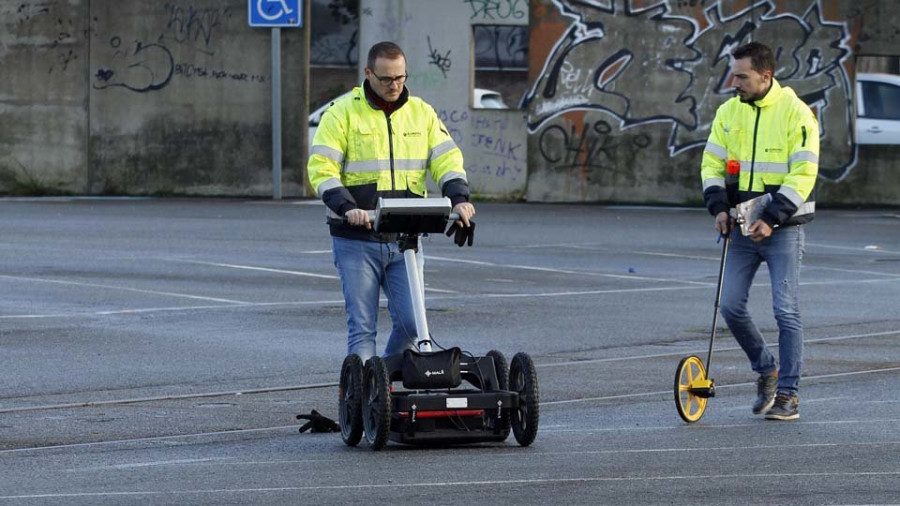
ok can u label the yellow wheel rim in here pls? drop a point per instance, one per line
(690, 371)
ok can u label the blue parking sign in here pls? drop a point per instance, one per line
(275, 13)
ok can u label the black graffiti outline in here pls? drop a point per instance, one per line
(487, 8)
(832, 74)
(106, 75)
(442, 62)
(580, 149)
(191, 24)
(499, 44)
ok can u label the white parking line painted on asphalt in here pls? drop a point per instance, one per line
(123, 288)
(767, 477)
(292, 273)
(261, 269)
(890, 277)
(673, 255)
(717, 350)
(861, 249)
(491, 264)
(850, 271)
(176, 308)
(718, 387)
(542, 404)
(230, 462)
(137, 400)
(452, 296)
(563, 271)
(574, 293)
(680, 426)
(694, 448)
(156, 463)
(144, 440)
(599, 247)
(541, 366)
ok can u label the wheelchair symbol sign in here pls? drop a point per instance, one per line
(275, 13)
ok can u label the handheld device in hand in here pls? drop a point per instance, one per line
(751, 210)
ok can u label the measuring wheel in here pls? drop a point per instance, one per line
(523, 381)
(499, 419)
(350, 400)
(692, 389)
(376, 405)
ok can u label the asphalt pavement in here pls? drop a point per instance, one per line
(156, 351)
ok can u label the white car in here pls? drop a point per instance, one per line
(488, 99)
(877, 108)
(483, 99)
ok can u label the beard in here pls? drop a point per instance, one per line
(748, 99)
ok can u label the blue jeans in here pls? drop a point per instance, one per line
(366, 268)
(782, 252)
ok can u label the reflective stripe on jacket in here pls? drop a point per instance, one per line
(775, 143)
(359, 153)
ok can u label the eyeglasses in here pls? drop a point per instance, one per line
(386, 81)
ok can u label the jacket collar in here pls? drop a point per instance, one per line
(772, 96)
(379, 103)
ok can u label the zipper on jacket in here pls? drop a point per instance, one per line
(753, 156)
(391, 147)
(803, 131)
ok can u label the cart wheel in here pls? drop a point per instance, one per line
(690, 407)
(350, 400)
(502, 369)
(376, 403)
(501, 424)
(523, 380)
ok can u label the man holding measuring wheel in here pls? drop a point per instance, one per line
(764, 145)
(378, 141)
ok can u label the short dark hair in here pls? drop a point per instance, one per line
(761, 56)
(384, 49)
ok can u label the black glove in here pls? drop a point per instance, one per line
(318, 423)
(463, 234)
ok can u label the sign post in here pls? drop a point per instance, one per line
(275, 14)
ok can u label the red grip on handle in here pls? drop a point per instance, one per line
(733, 167)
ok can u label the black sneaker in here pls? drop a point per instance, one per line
(786, 408)
(766, 385)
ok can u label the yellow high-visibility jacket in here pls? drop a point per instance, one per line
(775, 143)
(360, 153)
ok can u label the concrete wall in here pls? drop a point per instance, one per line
(43, 96)
(625, 91)
(437, 38)
(143, 97)
(150, 97)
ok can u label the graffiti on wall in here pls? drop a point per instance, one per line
(667, 62)
(502, 151)
(143, 66)
(441, 61)
(334, 33)
(497, 10)
(61, 31)
(590, 145)
(190, 25)
(500, 47)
